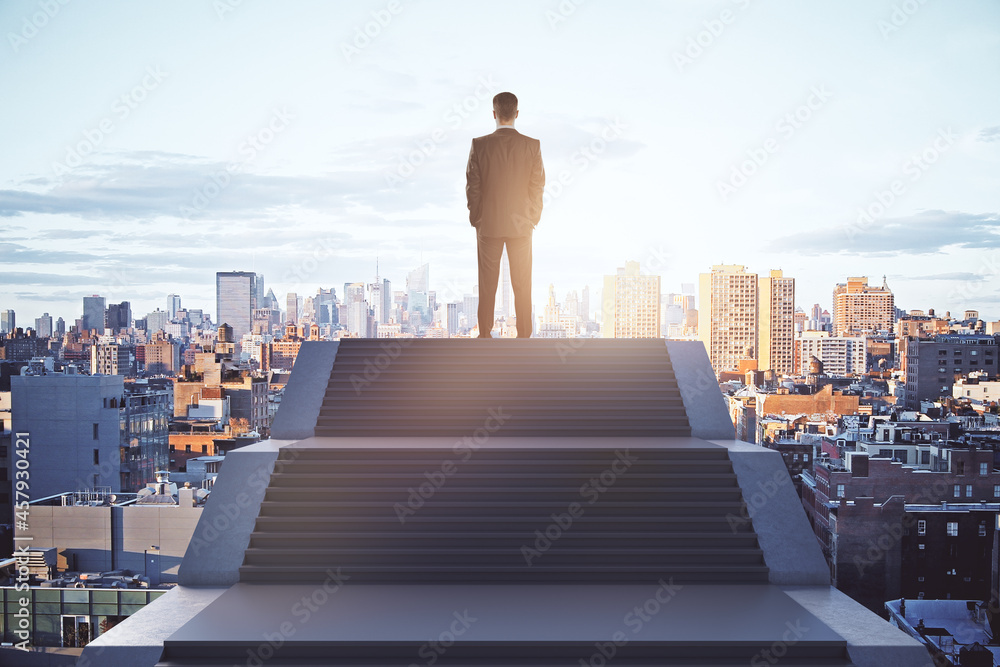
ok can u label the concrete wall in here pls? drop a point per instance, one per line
(92, 539)
(59, 412)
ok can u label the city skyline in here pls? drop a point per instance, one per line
(873, 151)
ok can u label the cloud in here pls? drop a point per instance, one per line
(924, 233)
(32, 278)
(989, 134)
(958, 275)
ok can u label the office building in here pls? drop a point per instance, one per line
(292, 308)
(173, 305)
(118, 317)
(93, 313)
(157, 321)
(860, 309)
(380, 298)
(776, 322)
(235, 300)
(43, 326)
(934, 364)
(727, 315)
(7, 321)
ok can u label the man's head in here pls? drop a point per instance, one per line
(505, 107)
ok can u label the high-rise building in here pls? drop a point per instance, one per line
(325, 307)
(631, 304)
(470, 306)
(157, 321)
(585, 303)
(380, 298)
(93, 313)
(43, 326)
(7, 321)
(292, 308)
(60, 327)
(417, 288)
(859, 309)
(452, 315)
(776, 322)
(357, 309)
(236, 299)
(727, 315)
(173, 305)
(842, 355)
(118, 316)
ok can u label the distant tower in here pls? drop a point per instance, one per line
(173, 305)
(93, 313)
(235, 296)
(507, 293)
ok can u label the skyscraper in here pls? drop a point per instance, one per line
(631, 304)
(585, 303)
(118, 316)
(380, 298)
(727, 315)
(43, 326)
(417, 288)
(7, 321)
(776, 322)
(357, 309)
(292, 308)
(235, 300)
(93, 313)
(60, 327)
(859, 309)
(173, 305)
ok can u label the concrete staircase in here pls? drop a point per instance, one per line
(544, 488)
(587, 515)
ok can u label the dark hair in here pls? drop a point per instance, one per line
(505, 104)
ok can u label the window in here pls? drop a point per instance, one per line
(187, 448)
(925, 457)
(984, 468)
(795, 458)
(840, 490)
(982, 529)
(921, 527)
(920, 578)
(97, 457)
(996, 490)
(95, 431)
(968, 490)
(805, 458)
(204, 449)
(921, 546)
(958, 490)
(959, 467)
(952, 529)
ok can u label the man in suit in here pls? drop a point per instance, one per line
(504, 182)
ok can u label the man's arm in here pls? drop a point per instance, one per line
(473, 191)
(536, 185)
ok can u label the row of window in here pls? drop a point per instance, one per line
(951, 529)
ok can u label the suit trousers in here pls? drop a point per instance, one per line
(519, 256)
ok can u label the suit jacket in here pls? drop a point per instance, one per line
(504, 182)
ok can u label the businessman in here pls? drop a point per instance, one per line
(504, 182)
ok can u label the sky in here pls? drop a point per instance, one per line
(145, 146)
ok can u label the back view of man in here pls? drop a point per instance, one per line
(504, 183)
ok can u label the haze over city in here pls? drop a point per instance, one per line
(155, 144)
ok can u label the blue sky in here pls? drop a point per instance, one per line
(146, 146)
